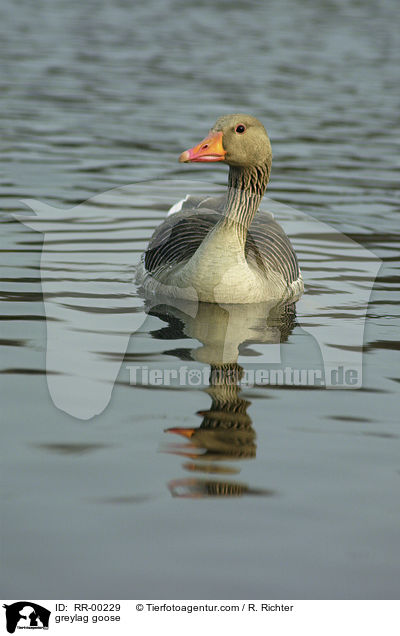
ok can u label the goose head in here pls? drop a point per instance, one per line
(239, 140)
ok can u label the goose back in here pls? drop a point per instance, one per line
(175, 241)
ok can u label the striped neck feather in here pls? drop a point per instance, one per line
(246, 187)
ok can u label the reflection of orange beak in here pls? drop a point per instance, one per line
(186, 432)
(210, 149)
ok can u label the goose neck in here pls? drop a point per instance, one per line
(246, 187)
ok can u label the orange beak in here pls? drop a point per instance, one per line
(186, 432)
(210, 149)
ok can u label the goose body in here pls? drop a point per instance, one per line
(224, 249)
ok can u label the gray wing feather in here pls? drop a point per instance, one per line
(177, 239)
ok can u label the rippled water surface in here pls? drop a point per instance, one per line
(208, 488)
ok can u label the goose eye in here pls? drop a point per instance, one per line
(240, 129)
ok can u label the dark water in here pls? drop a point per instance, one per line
(268, 491)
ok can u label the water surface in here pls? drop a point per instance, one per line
(209, 490)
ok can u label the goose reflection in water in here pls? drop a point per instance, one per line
(226, 432)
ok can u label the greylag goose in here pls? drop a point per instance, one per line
(219, 250)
